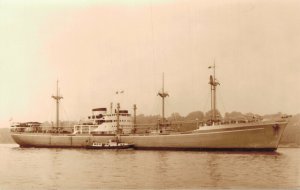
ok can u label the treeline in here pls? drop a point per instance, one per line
(291, 134)
(203, 117)
(191, 121)
(5, 136)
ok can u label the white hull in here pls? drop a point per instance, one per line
(260, 136)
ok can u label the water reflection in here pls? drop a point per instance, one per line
(94, 169)
(244, 169)
(213, 168)
(272, 153)
(162, 163)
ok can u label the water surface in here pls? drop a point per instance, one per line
(43, 168)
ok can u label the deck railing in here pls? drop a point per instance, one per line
(178, 126)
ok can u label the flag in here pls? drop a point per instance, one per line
(120, 92)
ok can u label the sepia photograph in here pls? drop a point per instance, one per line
(149, 94)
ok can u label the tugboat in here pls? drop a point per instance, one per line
(111, 144)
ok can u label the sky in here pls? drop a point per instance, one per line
(95, 48)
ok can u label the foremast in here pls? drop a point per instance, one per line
(57, 98)
(213, 89)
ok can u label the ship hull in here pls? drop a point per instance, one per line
(264, 137)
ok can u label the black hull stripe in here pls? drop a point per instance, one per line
(172, 148)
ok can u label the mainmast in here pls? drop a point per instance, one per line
(57, 98)
(213, 88)
(163, 95)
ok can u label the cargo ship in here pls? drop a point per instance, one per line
(103, 125)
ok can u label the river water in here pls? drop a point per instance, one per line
(43, 168)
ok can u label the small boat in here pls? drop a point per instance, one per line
(111, 144)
